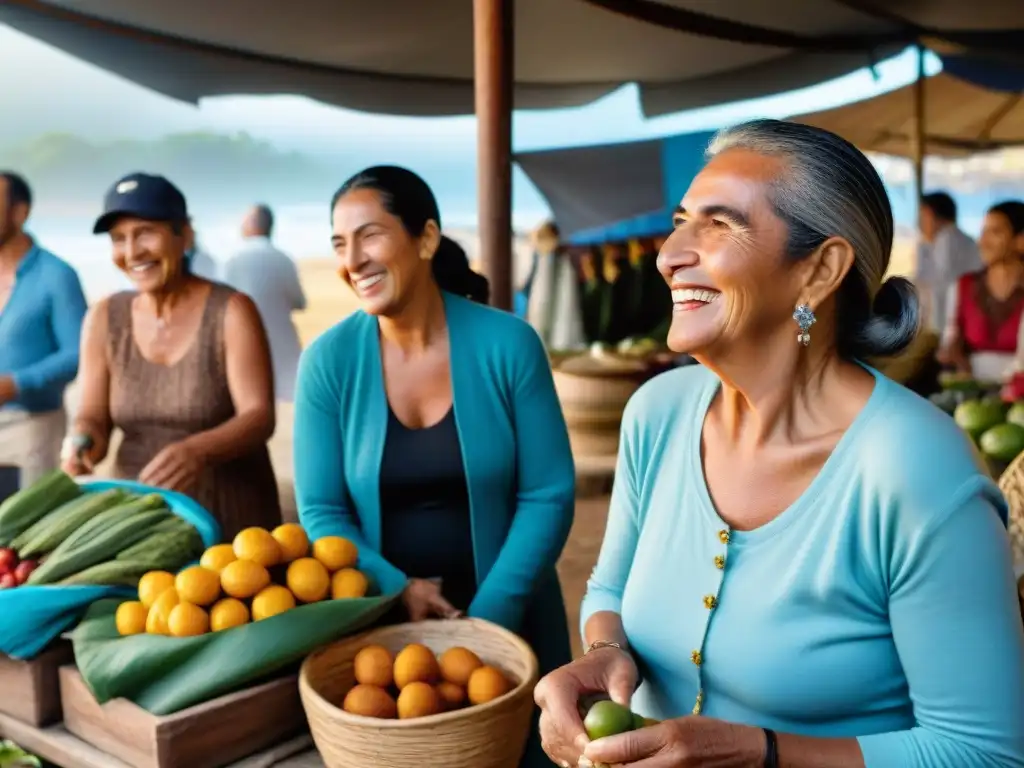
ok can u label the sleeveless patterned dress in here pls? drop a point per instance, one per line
(155, 405)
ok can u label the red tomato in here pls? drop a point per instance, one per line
(8, 559)
(24, 570)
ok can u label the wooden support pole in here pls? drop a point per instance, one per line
(919, 148)
(493, 43)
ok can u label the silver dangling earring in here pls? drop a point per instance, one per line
(805, 318)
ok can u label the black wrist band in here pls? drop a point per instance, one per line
(771, 753)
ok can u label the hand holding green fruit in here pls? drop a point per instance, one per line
(604, 672)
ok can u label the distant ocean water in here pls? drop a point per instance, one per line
(303, 231)
(300, 230)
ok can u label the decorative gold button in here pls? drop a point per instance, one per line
(696, 657)
(720, 562)
(699, 705)
(723, 536)
(710, 601)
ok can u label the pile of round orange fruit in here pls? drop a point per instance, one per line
(416, 683)
(260, 574)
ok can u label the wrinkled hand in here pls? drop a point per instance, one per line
(175, 468)
(8, 390)
(603, 671)
(687, 742)
(423, 599)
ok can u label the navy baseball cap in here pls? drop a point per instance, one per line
(153, 198)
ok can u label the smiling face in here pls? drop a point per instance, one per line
(150, 253)
(998, 241)
(725, 259)
(378, 258)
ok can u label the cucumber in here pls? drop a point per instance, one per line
(102, 546)
(176, 533)
(116, 573)
(49, 532)
(29, 505)
(108, 517)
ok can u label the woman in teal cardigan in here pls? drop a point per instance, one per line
(427, 427)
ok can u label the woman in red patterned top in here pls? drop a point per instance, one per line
(981, 334)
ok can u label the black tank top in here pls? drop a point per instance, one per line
(424, 501)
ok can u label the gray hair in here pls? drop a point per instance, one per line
(263, 219)
(830, 189)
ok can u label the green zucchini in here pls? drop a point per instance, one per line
(103, 546)
(182, 536)
(49, 532)
(29, 505)
(109, 517)
(116, 573)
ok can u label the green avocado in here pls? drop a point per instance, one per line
(606, 718)
(978, 416)
(1002, 442)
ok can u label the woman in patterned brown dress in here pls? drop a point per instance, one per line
(181, 366)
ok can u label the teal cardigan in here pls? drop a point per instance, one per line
(515, 448)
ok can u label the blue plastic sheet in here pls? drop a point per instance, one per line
(32, 617)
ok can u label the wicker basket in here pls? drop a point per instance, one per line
(1011, 483)
(491, 735)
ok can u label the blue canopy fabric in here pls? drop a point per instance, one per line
(993, 75)
(32, 617)
(615, 192)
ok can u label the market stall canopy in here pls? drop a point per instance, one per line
(416, 58)
(960, 118)
(619, 191)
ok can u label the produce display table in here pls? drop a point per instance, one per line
(60, 747)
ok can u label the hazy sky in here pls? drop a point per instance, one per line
(51, 91)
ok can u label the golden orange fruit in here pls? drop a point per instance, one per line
(292, 539)
(198, 585)
(154, 584)
(272, 601)
(487, 684)
(374, 665)
(457, 664)
(416, 664)
(418, 700)
(160, 612)
(131, 618)
(452, 696)
(308, 580)
(217, 557)
(335, 553)
(187, 620)
(244, 578)
(370, 701)
(349, 583)
(228, 613)
(257, 545)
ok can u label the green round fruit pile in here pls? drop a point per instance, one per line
(996, 427)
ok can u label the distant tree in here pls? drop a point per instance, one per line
(209, 167)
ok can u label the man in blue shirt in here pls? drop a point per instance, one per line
(41, 311)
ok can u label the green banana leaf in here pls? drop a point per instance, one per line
(167, 674)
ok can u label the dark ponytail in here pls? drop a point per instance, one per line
(408, 197)
(452, 272)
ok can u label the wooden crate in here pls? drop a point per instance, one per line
(209, 735)
(30, 690)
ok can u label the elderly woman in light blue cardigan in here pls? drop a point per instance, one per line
(803, 564)
(428, 430)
